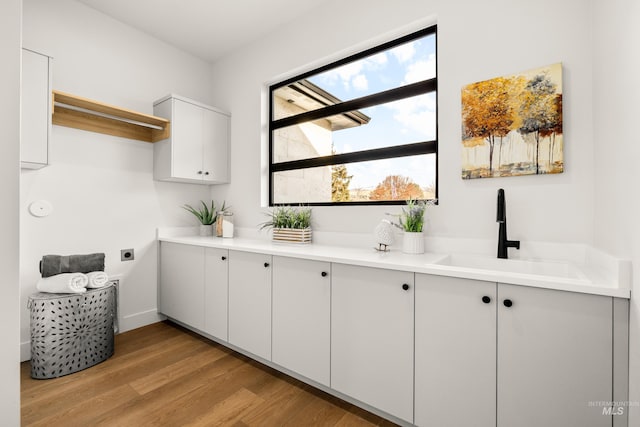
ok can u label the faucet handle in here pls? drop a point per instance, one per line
(501, 211)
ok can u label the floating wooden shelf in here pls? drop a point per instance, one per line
(86, 114)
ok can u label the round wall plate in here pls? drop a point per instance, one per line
(40, 208)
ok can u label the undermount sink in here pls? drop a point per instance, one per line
(539, 268)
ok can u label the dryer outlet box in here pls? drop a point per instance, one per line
(126, 255)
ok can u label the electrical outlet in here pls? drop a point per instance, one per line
(126, 255)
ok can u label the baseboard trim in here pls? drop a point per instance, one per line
(25, 351)
(138, 320)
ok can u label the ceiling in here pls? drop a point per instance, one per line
(208, 29)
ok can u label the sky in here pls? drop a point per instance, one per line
(400, 122)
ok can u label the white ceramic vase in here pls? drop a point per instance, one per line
(413, 242)
(206, 230)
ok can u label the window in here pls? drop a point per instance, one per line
(362, 130)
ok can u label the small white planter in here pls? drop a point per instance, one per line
(292, 235)
(413, 242)
(206, 230)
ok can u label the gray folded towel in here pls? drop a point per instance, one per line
(57, 264)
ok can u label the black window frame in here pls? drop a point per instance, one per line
(397, 93)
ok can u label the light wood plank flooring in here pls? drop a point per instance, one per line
(164, 375)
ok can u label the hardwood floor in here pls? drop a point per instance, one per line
(164, 375)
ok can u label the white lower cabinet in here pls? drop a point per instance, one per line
(301, 317)
(372, 337)
(455, 352)
(511, 356)
(442, 351)
(554, 357)
(250, 302)
(181, 291)
(193, 287)
(216, 292)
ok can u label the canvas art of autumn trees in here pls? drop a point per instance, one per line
(513, 125)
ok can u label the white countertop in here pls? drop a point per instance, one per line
(596, 276)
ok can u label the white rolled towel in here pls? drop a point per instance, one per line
(97, 279)
(64, 283)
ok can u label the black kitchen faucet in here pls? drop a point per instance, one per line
(501, 218)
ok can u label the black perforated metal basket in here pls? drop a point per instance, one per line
(71, 332)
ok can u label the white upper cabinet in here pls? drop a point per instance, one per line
(36, 110)
(197, 150)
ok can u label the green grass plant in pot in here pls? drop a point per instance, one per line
(206, 215)
(412, 223)
(289, 224)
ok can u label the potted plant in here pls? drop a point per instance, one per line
(411, 221)
(288, 224)
(206, 215)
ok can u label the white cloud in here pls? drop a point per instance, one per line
(421, 169)
(348, 148)
(352, 75)
(404, 52)
(360, 82)
(421, 70)
(343, 74)
(377, 59)
(416, 114)
(420, 121)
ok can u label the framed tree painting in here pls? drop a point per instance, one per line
(512, 125)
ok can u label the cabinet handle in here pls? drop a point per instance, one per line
(486, 299)
(224, 258)
(266, 264)
(206, 173)
(405, 287)
(199, 172)
(324, 274)
(507, 303)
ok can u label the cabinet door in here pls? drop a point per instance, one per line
(250, 302)
(216, 292)
(182, 283)
(372, 337)
(36, 110)
(455, 352)
(554, 357)
(215, 146)
(186, 140)
(301, 317)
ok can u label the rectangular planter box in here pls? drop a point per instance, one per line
(292, 235)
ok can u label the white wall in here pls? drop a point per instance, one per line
(617, 150)
(105, 199)
(101, 187)
(477, 40)
(10, 23)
